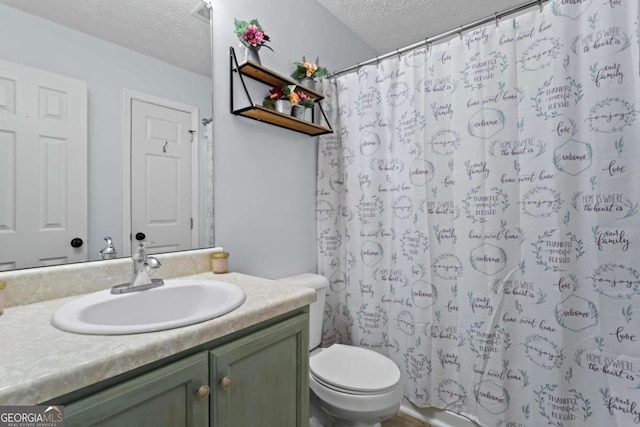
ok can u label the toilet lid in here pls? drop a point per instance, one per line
(354, 368)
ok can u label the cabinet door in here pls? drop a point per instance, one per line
(263, 379)
(165, 397)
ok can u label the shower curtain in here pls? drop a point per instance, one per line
(478, 217)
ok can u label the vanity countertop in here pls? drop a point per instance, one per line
(39, 362)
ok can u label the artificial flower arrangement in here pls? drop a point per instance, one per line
(305, 100)
(296, 102)
(251, 34)
(285, 92)
(306, 69)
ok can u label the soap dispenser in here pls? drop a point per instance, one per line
(110, 251)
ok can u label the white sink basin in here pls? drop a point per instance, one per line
(177, 303)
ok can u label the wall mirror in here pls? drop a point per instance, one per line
(103, 128)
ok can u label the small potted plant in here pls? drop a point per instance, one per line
(306, 72)
(306, 102)
(282, 98)
(252, 37)
(297, 109)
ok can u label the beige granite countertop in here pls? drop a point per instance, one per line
(39, 362)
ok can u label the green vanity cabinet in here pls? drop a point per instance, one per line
(262, 379)
(166, 397)
(254, 377)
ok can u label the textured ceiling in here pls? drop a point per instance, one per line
(163, 29)
(387, 25)
(166, 30)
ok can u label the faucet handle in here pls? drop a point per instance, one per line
(152, 262)
(141, 250)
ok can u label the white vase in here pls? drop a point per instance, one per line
(283, 106)
(252, 54)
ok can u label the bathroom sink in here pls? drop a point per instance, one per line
(179, 302)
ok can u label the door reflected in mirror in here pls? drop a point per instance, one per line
(101, 130)
(163, 174)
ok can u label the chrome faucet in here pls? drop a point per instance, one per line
(142, 265)
(110, 251)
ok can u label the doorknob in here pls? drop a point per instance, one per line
(140, 236)
(76, 242)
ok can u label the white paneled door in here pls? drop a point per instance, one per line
(43, 168)
(161, 177)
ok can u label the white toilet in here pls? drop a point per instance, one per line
(356, 387)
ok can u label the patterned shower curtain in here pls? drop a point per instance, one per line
(478, 217)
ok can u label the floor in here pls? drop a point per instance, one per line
(402, 420)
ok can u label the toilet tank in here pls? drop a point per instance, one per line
(316, 309)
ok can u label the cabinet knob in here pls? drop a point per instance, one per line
(225, 384)
(203, 392)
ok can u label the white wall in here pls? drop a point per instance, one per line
(108, 69)
(264, 175)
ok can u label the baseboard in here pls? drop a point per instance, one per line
(436, 417)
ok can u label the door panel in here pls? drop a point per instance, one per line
(43, 167)
(161, 176)
(53, 194)
(268, 378)
(7, 181)
(166, 397)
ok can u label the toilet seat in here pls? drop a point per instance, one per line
(348, 369)
(346, 390)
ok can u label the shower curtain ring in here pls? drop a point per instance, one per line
(377, 60)
(495, 15)
(460, 32)
(398, 52)
(540, 2)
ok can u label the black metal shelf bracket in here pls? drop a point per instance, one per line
(234, 61)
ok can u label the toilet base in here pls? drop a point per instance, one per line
(320, 418)
(317, 416)
(369, 414)
(342, 419)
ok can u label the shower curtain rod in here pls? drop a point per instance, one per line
(495, 17)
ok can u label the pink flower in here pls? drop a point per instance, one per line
(305, 100)
(253, 35)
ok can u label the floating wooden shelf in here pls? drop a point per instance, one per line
(265, 75)
(260, 113)
(266, 115)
